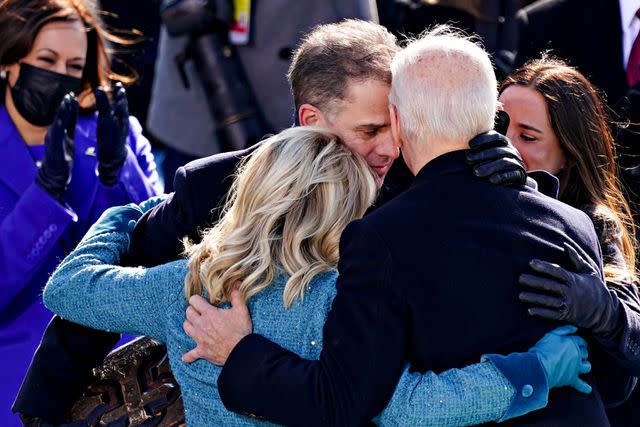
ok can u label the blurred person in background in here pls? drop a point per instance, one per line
(494, 21)
(62, 163)
(180, 117)
(559, 125)
(138, 22)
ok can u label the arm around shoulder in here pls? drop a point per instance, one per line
(360, 362)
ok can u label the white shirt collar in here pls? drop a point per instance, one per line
(628, 9)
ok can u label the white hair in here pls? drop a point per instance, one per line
(444, 87)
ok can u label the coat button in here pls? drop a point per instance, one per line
(527, 390)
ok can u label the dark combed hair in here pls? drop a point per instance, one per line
(332, 55)
(21, 20)
(580, 123)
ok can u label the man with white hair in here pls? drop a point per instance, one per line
(430, 277)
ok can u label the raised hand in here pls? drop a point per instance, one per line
(55, 173)
(113, 129)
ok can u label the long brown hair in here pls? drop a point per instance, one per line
(579, 121)
(21, 20)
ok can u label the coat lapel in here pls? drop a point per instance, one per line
(19, 170)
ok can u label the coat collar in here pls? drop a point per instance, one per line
(444, 164)
(18, 170)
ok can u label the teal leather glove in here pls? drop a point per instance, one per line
(564, 357)
(152, 202)
(118, 219)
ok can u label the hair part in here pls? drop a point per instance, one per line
(333, 55)
(22, 20)
(443, 87)
(579, 121)
(288, 206)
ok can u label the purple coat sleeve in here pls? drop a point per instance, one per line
(28, 235)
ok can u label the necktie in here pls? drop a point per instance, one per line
(633, 65)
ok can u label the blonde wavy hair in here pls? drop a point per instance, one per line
(289, 203)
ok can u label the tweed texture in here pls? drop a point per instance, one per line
(89, 288)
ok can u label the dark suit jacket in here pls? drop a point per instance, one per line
(68, 351)
(430, 278)
(586, 33)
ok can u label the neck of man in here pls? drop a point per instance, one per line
(418, 154)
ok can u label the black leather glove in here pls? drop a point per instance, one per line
(493, 156)
(55, 173)
(113, 129)
(578, 297)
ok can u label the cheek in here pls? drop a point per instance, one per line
(530, 154)
(12, 74)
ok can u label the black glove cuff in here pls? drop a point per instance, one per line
(612, 323)
(53, 187)
(108, 171)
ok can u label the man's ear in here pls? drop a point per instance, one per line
(308, 115)
(396, 134)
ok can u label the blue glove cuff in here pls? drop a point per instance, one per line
(117, 219)
(525, 373)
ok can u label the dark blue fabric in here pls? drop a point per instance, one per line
(528, 393)
(431, 277)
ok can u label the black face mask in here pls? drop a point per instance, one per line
(38, 93)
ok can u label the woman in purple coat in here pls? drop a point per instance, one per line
(64, 159)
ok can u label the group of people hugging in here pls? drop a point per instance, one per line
(390, 259)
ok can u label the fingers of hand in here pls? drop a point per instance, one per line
(191, 356)
(488, 139)
(192, 315)
(541, 299)
(585, 367)
(577, 260)
(490, 153)
(582, 386)
(542, 284)
(565, 330)
(189, 329)
(515, 176)
(200, 304)
(545, 313)
(552, 270)
(502, 164)
(236, 299)
(120, 102)
(102, 101)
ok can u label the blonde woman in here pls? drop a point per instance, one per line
(277, 247)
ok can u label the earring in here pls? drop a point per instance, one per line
(3, 74)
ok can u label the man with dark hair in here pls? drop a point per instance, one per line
(360, 53)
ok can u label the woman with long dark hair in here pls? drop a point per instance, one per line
(62, 164)
(559, 125)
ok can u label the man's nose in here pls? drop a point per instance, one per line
(387, 148)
